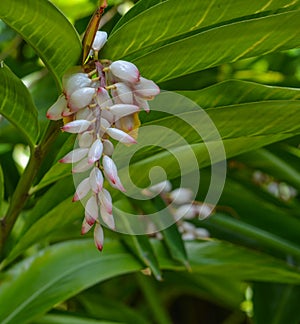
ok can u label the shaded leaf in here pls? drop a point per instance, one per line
(17, 105)
(46, 29)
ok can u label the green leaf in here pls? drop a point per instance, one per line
(73, 266)
(142, 247)
(215, 27)
(1, 186)
(276, 303)
(46, 29)
(17, 105)
(69, 319)
(66, 269)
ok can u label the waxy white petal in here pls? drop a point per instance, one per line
(107, 218)
(142, 103)
(108, 147)
(85, 139)
(96, 180)
(111, 173)
(123, 93)
(56, 110)
(181, 196)
(81, 166)
(146, 89)
(75, 155)
(81, 98)
(76, 126)
(73, 82)
(121, 110)
(125, 71)
(103, 98)
(105, 200)
(99, 40)
(95, 151)
(82, 189)
(120, 136)
(91, 209)
(85, 227)
(98, 236)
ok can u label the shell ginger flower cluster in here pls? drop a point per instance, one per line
(100, 103)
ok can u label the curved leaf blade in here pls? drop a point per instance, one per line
(62, 270)
(17, 105)
(46, 29)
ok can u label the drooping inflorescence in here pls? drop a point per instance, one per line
(100, 104)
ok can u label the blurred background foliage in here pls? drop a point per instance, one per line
(259, 207)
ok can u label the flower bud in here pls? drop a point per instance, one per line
(107, 218)
(85, 139)
(146, 89)
(181, 196)
(120, 136)
(95, 151)
(73, 82)
(121, 110)
(82, 189)
(123, 93)
(105, 200)
(81, 166)
(81, 98)
(85, 227)
(75, 155)
(125, 71)
(96, 180)
(108, 148)
(98, 236)
(99, 40)
(91, 208)
(76, 126)
(56, 110)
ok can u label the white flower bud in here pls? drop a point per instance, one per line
(76, 126)
(142, 103)
(146, 89)
(85, 227)
(75, 155)
(105, 200)
(181, 196)
(91, 208)
(107, 218)
(85, 139)
(103, 99)
(108, 148)
(125, 71)
(99, 40)
(120, 136)
(56, 110)
(73, 82)
(123, 93)
(81, 166)
(111, 172)
(98, 236)
(82, 189)
(95, 151)
(96, 180)
(81, 98)
(121, 110)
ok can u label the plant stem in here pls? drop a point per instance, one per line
(21, 195)
(160, 316)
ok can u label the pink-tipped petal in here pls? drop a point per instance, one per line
(75, 155)
(82, 189)
(99, 40)
(81, 166)
(120, 136)
(95, 151)
(105, 200)
(107, 218)
(98, 236)
(85, 227)
(76, 126)
(121, 110)
(91, 208)
(96, 180)
(103, 99)
(146, 89)
(56, 110)
(125, 71)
